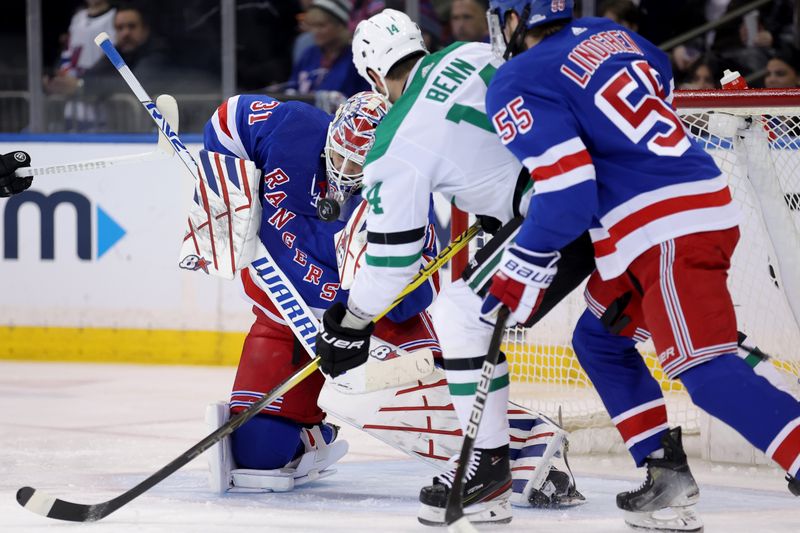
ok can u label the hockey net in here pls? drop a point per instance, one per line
(763, 167)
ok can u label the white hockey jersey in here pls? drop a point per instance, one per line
(436, 138)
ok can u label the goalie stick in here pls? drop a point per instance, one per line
(168, 107)
(40, 503)
(454, 511)
(104, 42)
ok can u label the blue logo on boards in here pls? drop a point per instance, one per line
(109, 232)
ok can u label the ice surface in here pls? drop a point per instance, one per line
(87, 433)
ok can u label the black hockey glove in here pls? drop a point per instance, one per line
(489, 224)
(340, 348)
(10, 184)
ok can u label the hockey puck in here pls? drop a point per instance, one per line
(328, 210)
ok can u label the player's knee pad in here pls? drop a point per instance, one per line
(265, 443)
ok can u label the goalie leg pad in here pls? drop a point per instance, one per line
(536, 442)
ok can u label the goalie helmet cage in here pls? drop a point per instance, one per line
(754, 137)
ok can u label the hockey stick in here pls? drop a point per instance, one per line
(104, 42)
(454, 512)
(163, 151)
(40, 503)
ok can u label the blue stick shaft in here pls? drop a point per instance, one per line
(105, 44)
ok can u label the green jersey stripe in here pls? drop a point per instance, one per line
(470, 115)
(402, 261)
(468, 389)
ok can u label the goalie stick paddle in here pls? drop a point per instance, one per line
(454, 512)
(40, 503)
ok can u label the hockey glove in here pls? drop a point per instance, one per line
(9, 183)
(339, 348)
(519, 283)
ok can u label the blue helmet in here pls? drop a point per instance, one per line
(539, 11)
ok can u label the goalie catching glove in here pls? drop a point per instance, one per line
(519, 283)
(340, 348)
(9, 183)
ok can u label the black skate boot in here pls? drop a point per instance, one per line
(669, 485)
(486, 491)
(794, 484)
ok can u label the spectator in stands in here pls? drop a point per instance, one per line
(429, 22)
(305, 39)
(144, 54)
(744, 41)
(80, 53)
(703, 74)
(468, 20)
(326, 69)
(783, 69)
(623, 12)
(265, 33)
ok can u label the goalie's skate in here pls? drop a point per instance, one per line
(557, 491)
(666, 499)
(486, 490)
(313, 464)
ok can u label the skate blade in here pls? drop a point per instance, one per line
(671, 519)
(494, 512)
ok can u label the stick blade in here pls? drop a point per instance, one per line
(462, 525)
(42, 504)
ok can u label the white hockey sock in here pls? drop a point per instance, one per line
(493, 429)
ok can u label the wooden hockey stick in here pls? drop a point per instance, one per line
(163, 150)
(40, 503)
(454, 512)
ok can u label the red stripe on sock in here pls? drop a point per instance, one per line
(642, 422)
(787, 452)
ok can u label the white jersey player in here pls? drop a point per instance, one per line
(436, 138)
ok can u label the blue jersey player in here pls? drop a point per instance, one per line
(308, 159)
(585, 105)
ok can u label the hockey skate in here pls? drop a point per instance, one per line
(313, 462)
(666, 499)
(486, 491)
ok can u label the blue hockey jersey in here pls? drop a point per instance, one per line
(588, 112)
(286, 141)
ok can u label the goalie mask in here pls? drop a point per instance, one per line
(350, 137)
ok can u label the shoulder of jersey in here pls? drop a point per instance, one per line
(543, 62)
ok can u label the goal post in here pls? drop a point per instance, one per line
(754, 137)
